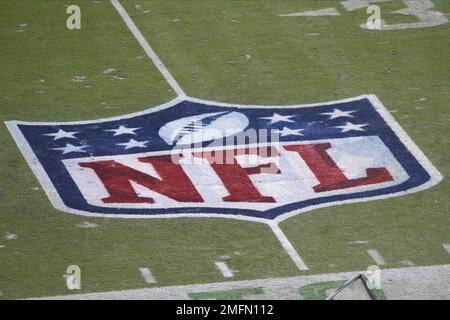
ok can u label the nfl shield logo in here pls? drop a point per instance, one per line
(192, 157)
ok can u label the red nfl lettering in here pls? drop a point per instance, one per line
(176, 184)
(329, 174)
(116, 177)
(236, 178)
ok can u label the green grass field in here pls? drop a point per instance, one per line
(231, 51)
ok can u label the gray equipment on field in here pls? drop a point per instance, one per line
(357, 288)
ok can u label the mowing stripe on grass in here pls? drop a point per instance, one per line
(148, 50)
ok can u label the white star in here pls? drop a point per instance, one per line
(62, 134)
(133, 144)
(123, 130)
(70, 148)
(351, 126)
(339, 113)
(290, 132)
(278, 118)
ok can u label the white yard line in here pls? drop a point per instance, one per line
(447, 247)
(316, 13)
(10, 236)
(222, 266)
(376, 256)
(287, 245)
(148, 50)
(173, 83)
(147, 275)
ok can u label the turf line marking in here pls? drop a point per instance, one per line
(447, 247)
(148, 50)
(434, 283)
(147, 275)
(287, 245)
(376, 256)
(316, 13)
(222, 266)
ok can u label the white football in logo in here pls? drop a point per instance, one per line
(203, 127)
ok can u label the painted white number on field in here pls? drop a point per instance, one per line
(421, 9)
(74, 20)
(418, 8)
